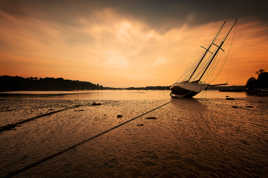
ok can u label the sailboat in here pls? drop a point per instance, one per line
(189, 87)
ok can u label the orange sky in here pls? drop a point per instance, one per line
(121, 51)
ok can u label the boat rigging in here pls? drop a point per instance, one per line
(190, 88)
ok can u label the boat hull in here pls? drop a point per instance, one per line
(186, 89)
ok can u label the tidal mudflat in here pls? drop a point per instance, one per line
(209, 136)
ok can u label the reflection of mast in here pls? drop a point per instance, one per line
(219, 47)
(207, 50)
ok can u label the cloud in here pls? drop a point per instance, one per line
(117, 43)
(159, 14)
(159, 61)
(115, 60)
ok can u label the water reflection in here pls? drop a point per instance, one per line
(201, 134)
(114, 94)
(188, 104)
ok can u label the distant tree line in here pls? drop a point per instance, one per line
(15, 83)
(259, 85)
(11, 83)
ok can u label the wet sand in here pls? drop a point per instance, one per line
(204, 137)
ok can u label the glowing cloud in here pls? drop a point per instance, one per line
(113, 49)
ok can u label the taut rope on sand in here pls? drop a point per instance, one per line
(14, 173)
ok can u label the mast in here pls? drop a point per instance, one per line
(207, 50)
(219, 47)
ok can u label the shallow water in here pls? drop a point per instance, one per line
(113, 94)
(208, 136)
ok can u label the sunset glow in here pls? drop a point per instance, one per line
(115, 49)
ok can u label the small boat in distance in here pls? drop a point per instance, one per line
(193, 85)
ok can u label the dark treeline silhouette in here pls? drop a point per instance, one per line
(232, 88)
(258, 86)
(11, 83)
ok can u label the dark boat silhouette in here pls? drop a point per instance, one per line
(190, 87)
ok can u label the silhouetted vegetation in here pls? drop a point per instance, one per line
(10, 83)
(258, 86)
(232, 88)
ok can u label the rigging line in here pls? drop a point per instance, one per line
(218, 48)
(14, 125)
(14, 173)
(211, 72)
(228, 54)
(225, 58)
(207, 50)
(220, 61)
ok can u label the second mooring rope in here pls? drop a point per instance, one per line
(14, 173)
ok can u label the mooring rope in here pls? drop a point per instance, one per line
(14, 125)
(14, 173)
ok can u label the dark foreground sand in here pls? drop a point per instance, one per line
(203, 137)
